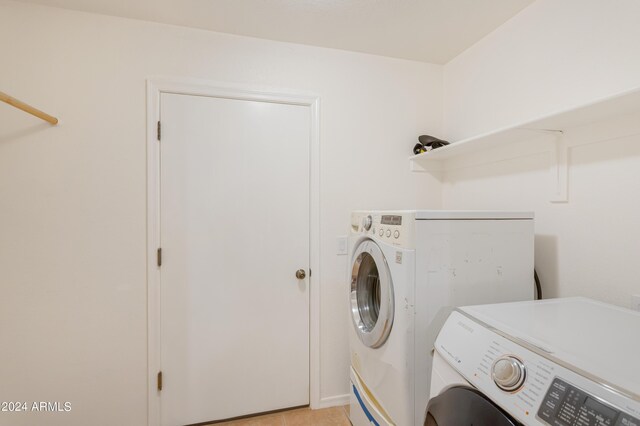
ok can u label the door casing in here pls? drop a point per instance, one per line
(196, 87)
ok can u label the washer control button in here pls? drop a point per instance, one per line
(381, 232)
(508, 373)
(388, 232)
(396, 234)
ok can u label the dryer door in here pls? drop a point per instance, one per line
(371, 295)
(466, 406)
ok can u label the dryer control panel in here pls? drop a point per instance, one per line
(395, 228)
(546, 392)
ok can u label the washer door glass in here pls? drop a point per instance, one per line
(466, 406)
(371, 295)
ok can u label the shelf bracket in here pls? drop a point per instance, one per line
(558, 165)
(559, 169)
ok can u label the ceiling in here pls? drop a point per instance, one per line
(425, 30)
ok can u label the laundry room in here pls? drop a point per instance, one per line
(317, 212)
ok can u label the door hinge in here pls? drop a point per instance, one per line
(159, 130)
(159, 257)
(159, 380)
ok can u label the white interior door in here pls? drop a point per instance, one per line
(234, 230)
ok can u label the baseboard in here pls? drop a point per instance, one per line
(332, 401)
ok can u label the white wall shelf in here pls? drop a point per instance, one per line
(542, 134)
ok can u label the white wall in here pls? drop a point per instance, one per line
(72, 198)
(553, 55)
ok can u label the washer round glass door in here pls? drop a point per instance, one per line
(461, 405)
(371, 295)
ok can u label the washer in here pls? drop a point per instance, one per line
(557, 362)
(408, 270)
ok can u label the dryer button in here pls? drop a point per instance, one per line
(381, 232)
(396, 234)
(388, 232)
(367, 222)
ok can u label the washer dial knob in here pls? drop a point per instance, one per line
(366, 223)
(508, 373)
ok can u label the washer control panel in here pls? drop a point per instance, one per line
(565, 404)
(395, 228)
(524, 379)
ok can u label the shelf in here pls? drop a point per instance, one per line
(620, 104)
(541, 134)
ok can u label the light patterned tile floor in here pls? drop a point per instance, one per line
(335, 416)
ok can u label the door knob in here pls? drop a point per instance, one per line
(301, 274)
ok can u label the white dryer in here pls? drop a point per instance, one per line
(559, 362)
(408, 270)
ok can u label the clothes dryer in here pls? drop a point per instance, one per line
(408, 270)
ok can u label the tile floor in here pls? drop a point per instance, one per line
(335, 416)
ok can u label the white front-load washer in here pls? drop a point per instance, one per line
(408, 270)
(559, 362)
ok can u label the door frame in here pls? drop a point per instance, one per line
(197, 87)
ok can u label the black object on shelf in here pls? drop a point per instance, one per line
(427, 143)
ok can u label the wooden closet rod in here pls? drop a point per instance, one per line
(27, 108)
